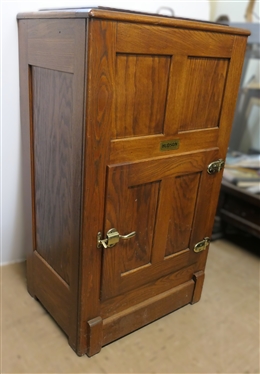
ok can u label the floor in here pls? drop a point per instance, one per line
(220, 334)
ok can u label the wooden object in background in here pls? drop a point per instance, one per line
(250, 11)
(126, 111)
(240, 208)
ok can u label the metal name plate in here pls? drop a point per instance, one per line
(169, 145)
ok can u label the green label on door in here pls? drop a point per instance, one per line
(169, 145)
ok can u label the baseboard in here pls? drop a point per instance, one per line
(12, 262)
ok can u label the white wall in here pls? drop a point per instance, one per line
(16, 234)
(236, 12)
(235, 9)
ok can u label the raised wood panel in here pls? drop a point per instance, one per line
(203, 92)
(133, 263)
(130, 208)
(57, 192)
(141, 91)
(182, 208)
(169, 41)
(140, 212)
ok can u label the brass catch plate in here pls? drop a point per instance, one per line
(216, 166)
(202, 245)
(169, 145)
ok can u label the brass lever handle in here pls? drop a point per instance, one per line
(112, 238)
(128, 236)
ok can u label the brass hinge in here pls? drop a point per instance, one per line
(202, 245)
(215, 166)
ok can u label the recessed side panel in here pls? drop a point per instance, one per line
(57, 192)
(204, 90)
(141, 93)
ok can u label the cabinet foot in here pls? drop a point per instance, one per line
(94, 336)
(199, 280)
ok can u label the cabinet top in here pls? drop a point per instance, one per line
(134, 17)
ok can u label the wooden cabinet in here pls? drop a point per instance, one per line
(126, 111)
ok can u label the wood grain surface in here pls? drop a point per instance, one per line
(54, 115)
(55, 184)
(141, 91)
(105, 89)
(204, 91)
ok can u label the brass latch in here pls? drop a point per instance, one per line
(216, 166)
(112, 238)
(201, 246)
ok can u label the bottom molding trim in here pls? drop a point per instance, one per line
(148, 311)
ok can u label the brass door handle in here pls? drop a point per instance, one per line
(112, 238)
(128, 236)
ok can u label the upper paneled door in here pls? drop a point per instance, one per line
(168, 83)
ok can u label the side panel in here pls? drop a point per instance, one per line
(52, 106)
